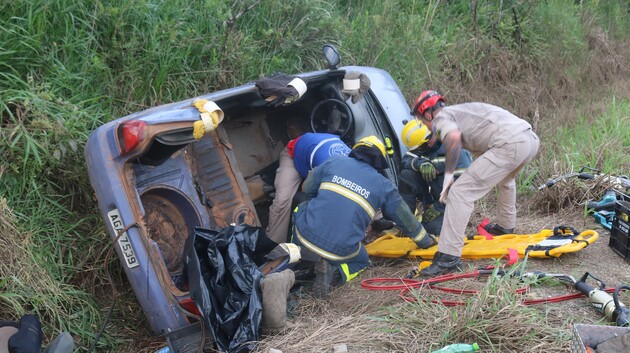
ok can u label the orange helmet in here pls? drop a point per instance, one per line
(426, 100)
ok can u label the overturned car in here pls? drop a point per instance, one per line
(156, 177)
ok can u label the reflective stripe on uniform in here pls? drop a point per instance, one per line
(317, 147)
(349, 194)
(420, 235)
(346, 271)
(323, 253)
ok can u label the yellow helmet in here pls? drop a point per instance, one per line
(415, 134)
(371, 141)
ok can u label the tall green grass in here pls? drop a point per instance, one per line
(600, 142)
(67, 67)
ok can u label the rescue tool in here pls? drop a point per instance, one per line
(604, 303)
(599, 297)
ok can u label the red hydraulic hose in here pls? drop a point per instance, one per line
(406, 284)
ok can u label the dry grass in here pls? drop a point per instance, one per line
(610, 61)
(524, 88)
(494, 318)
(14, 270)
(379, 321)
(571, 193)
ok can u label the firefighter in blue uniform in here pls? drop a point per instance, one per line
(344, 194)
(300, 156)
(422, 174)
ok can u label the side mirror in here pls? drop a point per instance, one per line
(332, 56)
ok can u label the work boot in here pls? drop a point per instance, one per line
(382, 224)
(64, 343)
(326, 276)
(442, 264)
(275, 289)
(428, 241)
(496, 229)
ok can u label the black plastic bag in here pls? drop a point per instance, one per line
(224, 282)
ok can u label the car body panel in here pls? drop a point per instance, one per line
(170, 183)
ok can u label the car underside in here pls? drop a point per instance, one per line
(156, 183)
(227, 177)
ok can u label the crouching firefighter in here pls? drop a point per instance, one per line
(343, 194)
(422, 175)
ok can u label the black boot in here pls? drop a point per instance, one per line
(326, 276)
(382, 224)
(442, 264)
(496, 229)
(428, 241)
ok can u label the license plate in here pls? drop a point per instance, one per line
(123, 241)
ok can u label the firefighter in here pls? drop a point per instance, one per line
(502, 143)
(343, 196)
(301, 155)
(422, 174)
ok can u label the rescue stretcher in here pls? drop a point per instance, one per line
(547, 243)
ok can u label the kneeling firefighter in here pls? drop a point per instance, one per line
(343, 194)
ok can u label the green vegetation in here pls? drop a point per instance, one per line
(68, 66)
(602, 142)
(495, 318)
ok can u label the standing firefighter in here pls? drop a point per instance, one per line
(503, 144)
(344, 194)
(422, 174)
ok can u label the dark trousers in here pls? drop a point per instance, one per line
(413, 188)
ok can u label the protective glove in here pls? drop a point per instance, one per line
(428, 171)
(430, 214)
(448, 181)
(416, 162)
(355, 84)
(425, 168)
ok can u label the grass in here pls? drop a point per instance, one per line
(495, 318)
(601, 142)
(67, 67)
(35, 280)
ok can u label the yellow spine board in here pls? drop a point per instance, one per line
(392, 245)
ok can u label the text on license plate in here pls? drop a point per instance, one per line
(123, 241)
